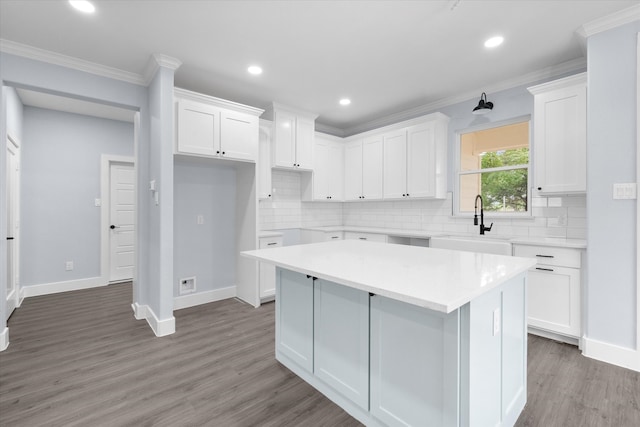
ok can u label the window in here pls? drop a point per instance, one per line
(494, 162)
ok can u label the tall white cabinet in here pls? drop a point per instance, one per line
(363, 169)
(326, 183)
(292, 137)
(560, 136)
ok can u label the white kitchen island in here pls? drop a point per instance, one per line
(403, 335)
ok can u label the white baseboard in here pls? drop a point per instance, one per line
(4, 339)
(56, 287)
(611, 353)
(191, 300)
(159, 327)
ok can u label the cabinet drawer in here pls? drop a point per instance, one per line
(270, 242)
(336, 235)
(549, 255)
(371, 237)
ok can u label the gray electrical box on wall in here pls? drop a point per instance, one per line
(187, 285)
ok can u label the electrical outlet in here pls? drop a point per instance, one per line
(496, 322)
(69, 266)
(200, 219)
(187, 285)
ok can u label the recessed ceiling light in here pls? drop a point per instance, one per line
(83, 6)
(494, 41)
(345, 101)
(255, 70)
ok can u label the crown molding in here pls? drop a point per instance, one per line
(26, 51)
(575, 79)
(573, 66)
(611, 21)
(330, 130)
(212, 100)
(156, 61)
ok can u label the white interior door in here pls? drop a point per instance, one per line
(121, 217)
(13, 167)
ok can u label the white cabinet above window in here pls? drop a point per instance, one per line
(560, 135)
(212, 127)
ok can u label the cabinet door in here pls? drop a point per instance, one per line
(395, 165)
(560, 140)
(353, 171)
(372, 152)
(411, 375)
(264, 163)
(268, 271)
(198, 128)
(421, 161)
(553, 295)
(335, 171)
(321, 170)
(239, 135)
(294, 317)
(305, 130)
(341, 340)
(284, 141)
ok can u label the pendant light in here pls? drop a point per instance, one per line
(483, 106)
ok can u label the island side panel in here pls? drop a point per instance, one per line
(414, 364)
(493, 357)
(294, 318)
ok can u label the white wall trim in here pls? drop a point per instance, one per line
(205, 297)
(638, 198)
(56, 287)
(4, 339)
(608, 22)
(219, 102)
(159, 327)
(610, 353)
(156, 61)
(105, 196)
(38, 54)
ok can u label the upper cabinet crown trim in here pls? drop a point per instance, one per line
(269, 112)
(400, 125)
(558, 84)
(222, 103)
(611, 21)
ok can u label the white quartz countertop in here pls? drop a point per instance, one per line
(438, 279)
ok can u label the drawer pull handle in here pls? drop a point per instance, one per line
(362, 238)
(544, 269)
(335, 237)
(545, 256)
(272, 243)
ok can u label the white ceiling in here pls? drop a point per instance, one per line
(387, 56)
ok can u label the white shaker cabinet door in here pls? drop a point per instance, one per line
(239, 136)
(198, 128)
(421, 161)
(335, 168)
(372, 161)
(305, 129)
(353, 171)
(341, 339)
(294, 317)
(284, 140)
(321, 170)
(395, 165)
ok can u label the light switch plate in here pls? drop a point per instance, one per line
(625, 191)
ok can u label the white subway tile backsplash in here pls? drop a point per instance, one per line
(551, 217)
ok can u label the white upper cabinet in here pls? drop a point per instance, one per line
(363, 169)
(213, 127)
(415, 159)
(560, 128)
(328, 169)
(264, 161)
(292, 139)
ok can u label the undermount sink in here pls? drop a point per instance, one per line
(487, 245)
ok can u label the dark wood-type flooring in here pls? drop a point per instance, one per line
(81, 359)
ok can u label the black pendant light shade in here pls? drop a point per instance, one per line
(483, 106)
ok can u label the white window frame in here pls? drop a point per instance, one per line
(457, 172)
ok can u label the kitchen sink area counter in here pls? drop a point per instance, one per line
(402, 335)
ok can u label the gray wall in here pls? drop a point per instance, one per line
(60, 179)
(611, 158)
(206, 251)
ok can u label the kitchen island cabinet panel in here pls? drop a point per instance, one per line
(294, 317)
(341, 339)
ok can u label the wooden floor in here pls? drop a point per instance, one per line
(81, 359)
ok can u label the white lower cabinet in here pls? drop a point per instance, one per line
(317, 236)
(267, 276)
(553, 292)
(294, 317)
(341, 340)
(371, 237)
